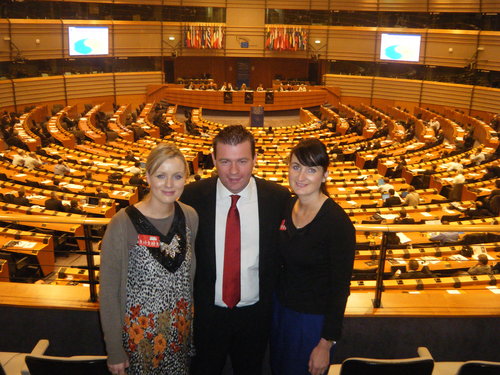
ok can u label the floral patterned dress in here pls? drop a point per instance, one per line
(157, 332)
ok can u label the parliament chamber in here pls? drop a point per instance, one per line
(76, 131)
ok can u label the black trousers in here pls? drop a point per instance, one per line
(240, 333)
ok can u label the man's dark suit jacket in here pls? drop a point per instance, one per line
(54, 204)
(22, 201)
(201, 195)
(392, 201)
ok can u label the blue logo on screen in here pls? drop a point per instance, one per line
(82, 48)
(392, 53)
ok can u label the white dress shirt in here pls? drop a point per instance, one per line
(249, 220)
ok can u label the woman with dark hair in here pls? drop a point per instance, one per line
(317, 241)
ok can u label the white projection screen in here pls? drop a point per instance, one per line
(88, 41)
(400, 47)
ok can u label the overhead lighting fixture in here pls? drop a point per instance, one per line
(171, 38)
(317, 41)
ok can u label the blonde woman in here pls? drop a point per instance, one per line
(147, 268)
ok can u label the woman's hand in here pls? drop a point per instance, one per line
(119, 368)
(319, 361)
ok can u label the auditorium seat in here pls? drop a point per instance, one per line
(421, 365)
(75, 365)
(14, 363)
(466, 368)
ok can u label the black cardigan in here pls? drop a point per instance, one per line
(316, 265)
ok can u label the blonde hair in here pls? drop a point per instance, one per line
(162, 152)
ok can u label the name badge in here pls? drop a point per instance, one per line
(148, 240)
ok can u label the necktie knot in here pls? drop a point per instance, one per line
(234, 200)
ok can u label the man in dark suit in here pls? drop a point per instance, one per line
(21, 198)
(392, 200)
(54, 203)
(221, 329)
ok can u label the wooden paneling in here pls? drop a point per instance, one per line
(486, 99)
(37, 39)
(463, 44)
(356, 89)
(489, 57)
(320, 4)
(351, 85)
(171, 29)
(6, 93)
(135, 83)
(253, 35)
(403, 5)
(89, 85)
(39, 90)
(362, 5)
(215, 99)
(45, 39)
(491, 6)
(446, 94)
(351, 43)
(4, 44)
(137, 38)
(405, 90)
(454, 6)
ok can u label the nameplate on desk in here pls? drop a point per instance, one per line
(74, 186)
(119, 192)
(20, 244)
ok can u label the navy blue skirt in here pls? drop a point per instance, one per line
(293, 337)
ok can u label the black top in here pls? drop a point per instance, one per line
(316, 265)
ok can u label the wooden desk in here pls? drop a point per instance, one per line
(4, 271)
(35, 245)
(211, 99)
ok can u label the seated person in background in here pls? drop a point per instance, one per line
(243, 87)
(21, 198)
(223, 87)
(54, 203)
(136, 168)
(14, 141)
(492, 201)
(74, 207)
(32, 161)
(459, 178)
(444, 237)
(477, 211)
(260, 87)
(403, 218)
(142, 185)
(130, 156)
(412, 198)
(137, 180)
(482, 267)
(454, 166)
(386, 186)
(99, 193)
(61, 168)
(392, 200)
(414, 273)
(492, 171)
(40, 151)
(478, 157)
(229, 87)
(19, 158)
